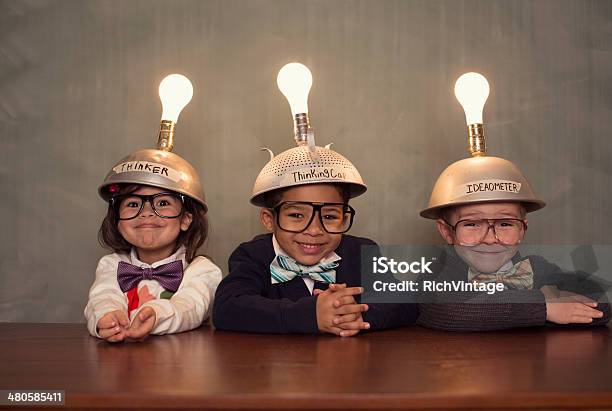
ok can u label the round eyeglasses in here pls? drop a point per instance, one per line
(508, 231)
(296, 216)
(164, 205)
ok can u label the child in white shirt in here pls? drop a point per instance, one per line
(153, 283)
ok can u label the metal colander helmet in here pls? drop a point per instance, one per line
(306, 164)
(157, 168)
(479, 180)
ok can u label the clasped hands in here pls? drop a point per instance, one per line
(338, 312)
(115, 326)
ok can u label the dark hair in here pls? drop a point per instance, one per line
(274, 197)
(110, 237)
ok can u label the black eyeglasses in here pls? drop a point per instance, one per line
(164, 205)
(296, 216)
(508, 231)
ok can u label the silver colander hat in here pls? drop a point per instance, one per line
(300, 166)
(480, 180)
(156, 168)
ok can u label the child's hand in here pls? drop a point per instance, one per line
(142, 325)
(332, 303)
(350, 323)
(564, 307)
(112, 326)
(353, 322)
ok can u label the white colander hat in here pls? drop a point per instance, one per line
(306, 165)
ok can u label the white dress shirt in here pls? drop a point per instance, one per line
(186, 309)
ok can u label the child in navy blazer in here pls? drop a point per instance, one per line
(305, 276)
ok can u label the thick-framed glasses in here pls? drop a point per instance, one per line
(296, 216)
(508, 231)
(164, 205)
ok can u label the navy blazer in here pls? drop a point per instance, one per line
(246, 299)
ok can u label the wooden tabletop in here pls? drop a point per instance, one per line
(410, 368)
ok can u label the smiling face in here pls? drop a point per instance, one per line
(489, 255)
(153, 237)
(314, 243)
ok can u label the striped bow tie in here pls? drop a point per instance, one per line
(168, 275)
(285, 269)
(518, 277)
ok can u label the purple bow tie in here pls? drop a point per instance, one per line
(168, 275)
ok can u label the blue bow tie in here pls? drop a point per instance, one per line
(285, 269)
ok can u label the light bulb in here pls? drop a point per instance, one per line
(294, 81)
(175, 92)
(472, 90)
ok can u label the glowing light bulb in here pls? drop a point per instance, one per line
(294, 81)
(472, 91)
(175, 92)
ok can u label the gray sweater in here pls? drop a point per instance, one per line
(473, 311)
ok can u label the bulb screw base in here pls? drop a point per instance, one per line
(478, 147)
(301, 126)
(165, 139)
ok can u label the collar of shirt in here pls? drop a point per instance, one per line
(178, 255)
(329, 258)
(506, 267)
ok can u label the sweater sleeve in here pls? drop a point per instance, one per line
(388, 315)
(241, 303)
(471, 311)
(480, 311)
(481, 317)
(383, 316)
(104, 295)
(511, 308)
(191, 303)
